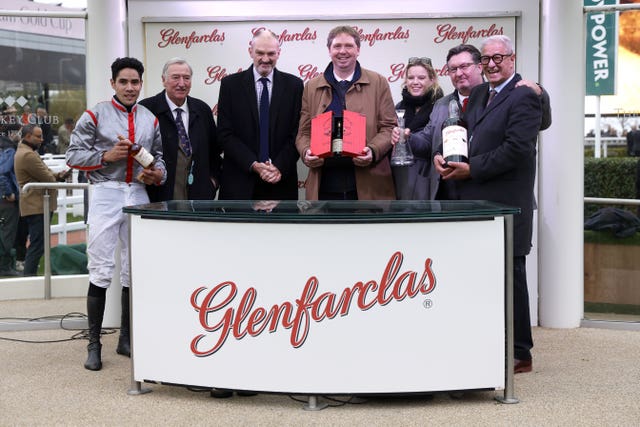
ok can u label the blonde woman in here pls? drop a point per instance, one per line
(420, 91)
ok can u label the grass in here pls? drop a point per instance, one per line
(601, 307)
(70, 218)
(605, 237)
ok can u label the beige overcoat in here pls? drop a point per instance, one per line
(369, 95)
(29, 167)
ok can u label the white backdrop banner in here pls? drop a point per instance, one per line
(219, 48)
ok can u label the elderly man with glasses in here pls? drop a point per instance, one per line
(503, 123)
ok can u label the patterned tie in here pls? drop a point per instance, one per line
(464, 104)
(183, 138)
(264, 121)
(492, 94)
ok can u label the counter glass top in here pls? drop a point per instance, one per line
(320, 211)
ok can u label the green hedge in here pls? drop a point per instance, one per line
(610, 177)
(611, 152)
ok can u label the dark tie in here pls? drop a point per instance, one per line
(183, 138)
(492, 94)
(464, 104)
(264, 121)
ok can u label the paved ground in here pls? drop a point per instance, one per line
(585, 377)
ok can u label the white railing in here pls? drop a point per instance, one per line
(605, 201)
(47, 187)
(605, 142)
(67, 203)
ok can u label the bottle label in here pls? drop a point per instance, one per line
(454, 141)
(144, 158)
(336, 145)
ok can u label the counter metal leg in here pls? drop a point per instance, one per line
(136, 386)
(509, 396)
(313, 405)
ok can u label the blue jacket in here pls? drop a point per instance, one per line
(8, 181)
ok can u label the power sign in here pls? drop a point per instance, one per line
(601, 49)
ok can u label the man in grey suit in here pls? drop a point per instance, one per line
(465, 71)
(258, 139)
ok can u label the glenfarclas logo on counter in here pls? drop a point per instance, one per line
(242, 318)
(450, 32)
(171, 36)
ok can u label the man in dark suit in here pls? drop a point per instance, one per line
(503, 132)
(190, 147)
(259, 161)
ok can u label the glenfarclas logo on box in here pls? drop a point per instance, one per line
(241, 318)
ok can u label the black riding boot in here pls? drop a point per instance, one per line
(95, 313)
(124, 346)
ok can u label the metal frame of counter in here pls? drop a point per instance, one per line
(323, 298)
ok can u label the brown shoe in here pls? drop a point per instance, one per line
(521, 366)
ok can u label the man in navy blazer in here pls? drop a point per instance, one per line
(191, 174)
(245, 175)
(502, 165)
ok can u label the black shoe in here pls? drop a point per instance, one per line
(246, 393)
(124, 348)
(124, 345)
(221, 393)
(94, 361)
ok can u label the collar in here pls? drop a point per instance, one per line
(120, 106)
(339, 79)
(331, 78)
(257, 76)
(173, 106)
(503, 84)
(34, 148)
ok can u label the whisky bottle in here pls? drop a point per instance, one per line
(454, 136)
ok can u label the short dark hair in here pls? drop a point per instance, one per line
(28, 129)
(343, 29)
(121, 63)
(469, 48)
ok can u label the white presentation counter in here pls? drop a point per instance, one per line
(322, 298)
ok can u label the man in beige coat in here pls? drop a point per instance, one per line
(29, 167)
(345, 85)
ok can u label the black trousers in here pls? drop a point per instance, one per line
(523, 341)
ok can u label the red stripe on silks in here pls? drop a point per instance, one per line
(85, 168)
(118, 106)
(93, 117)
(132, 138)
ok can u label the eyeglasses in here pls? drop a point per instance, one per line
(461, 67)
(497, 58)
(422, 60)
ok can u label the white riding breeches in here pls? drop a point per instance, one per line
(108, 224)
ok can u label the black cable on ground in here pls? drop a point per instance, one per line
(80, 335)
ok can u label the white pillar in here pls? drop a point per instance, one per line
(561, 167)
(106, 41)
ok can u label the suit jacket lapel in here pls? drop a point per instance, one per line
(276, 96)
(193, 116)
(249, 88)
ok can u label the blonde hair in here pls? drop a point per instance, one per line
(431, 72)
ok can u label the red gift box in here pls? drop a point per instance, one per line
(353, 134)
